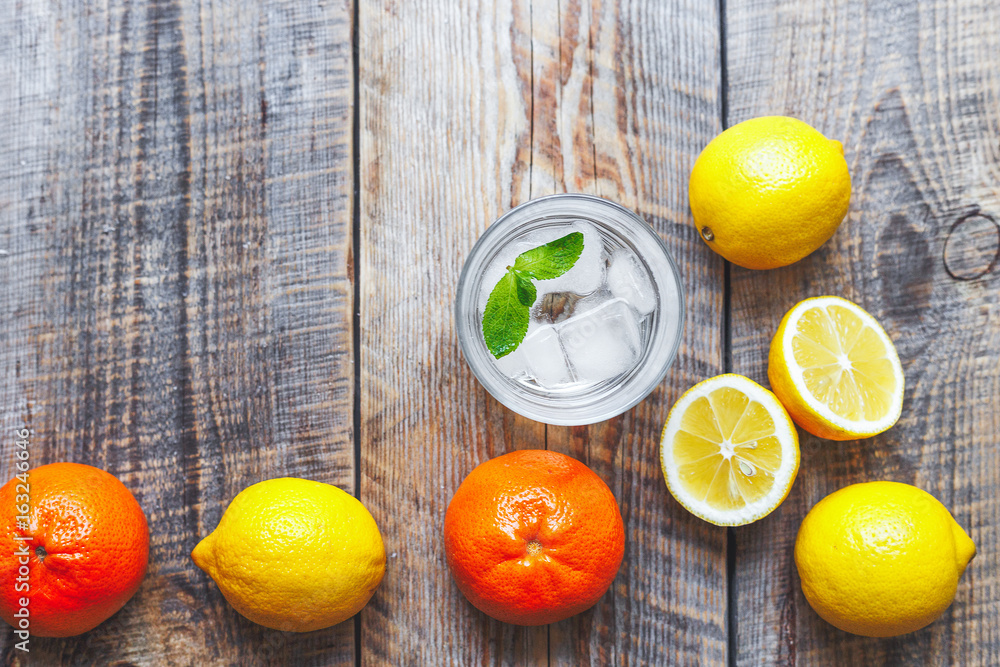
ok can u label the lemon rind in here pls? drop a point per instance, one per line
(861, 427)
(784, 476)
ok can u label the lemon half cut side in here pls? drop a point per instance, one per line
(836, 370)
(729, 451)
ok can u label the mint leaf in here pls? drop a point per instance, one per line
(505, 320)
(552, 259)
(526, 292)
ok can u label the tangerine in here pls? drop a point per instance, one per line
(533, 537)
(85, 545)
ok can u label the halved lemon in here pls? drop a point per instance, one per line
(836, 370)
(729, 451)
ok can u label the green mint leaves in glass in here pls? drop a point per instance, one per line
(505, 319)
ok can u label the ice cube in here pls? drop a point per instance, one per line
(546, 361)
(603, 342)
(587, 273)
(514, 364)
(598, 298)
(627, 280)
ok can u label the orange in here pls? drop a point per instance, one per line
(85, 551)
(533, 537)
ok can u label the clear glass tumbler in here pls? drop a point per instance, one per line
(601, 337)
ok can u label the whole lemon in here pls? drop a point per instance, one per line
(769, 191)
(294, 554)
(881, 559)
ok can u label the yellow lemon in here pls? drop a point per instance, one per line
(836, 370)
(881, 559)
(769, 191)
(729, 451)
(293, 554)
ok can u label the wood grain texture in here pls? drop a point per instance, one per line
(175, 198)
(913, 92)
(624, 96)
(444, 137)
(467, 110)
(176, 289)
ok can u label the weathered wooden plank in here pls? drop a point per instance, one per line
(625, 94)
(467, 111)
(912, 90)
(176, 205)
(445, 148)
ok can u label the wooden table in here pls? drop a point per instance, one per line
(230, 234)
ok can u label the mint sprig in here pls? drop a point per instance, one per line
(552, 259)
(505, 319)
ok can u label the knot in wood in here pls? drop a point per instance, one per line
(972, 247)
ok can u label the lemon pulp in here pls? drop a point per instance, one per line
(729, 451)
(845, 365)
(726, 450)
